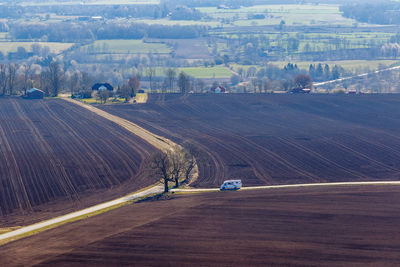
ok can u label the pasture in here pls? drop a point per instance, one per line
(121, 46)
(302, 14)
(207, 72)
(57, 48)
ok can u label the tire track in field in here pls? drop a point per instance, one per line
(92, 154)
(362, 155)
(125, 159)
(16, 177)
(96, 157)
(320, 156)
(258, 169)
(54, 161)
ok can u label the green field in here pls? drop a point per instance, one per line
(306, 14)
(6, 47)
(211, 23)
(211, 72)
(126, 47)
(200, 72)
(308, 42)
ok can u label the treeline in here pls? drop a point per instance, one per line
(74, 32)
(345, 54)
(154, 11)
(377, 13)
(271, 77)
(209, 3)
(107, 11)
(185, 13)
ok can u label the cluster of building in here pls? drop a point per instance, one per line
(35, 93)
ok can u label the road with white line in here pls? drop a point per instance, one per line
(291, 186)
(159, 189)
(357, 76)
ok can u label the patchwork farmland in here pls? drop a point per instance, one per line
(57, 157)
(280, 139)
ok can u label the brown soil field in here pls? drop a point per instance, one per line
(280, 139)
(314, 226)
(57, 157)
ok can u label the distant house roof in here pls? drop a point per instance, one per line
(102, 86)
(34, 93)
(218, 89)
(34, 90)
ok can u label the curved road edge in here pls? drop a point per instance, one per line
(199, 190)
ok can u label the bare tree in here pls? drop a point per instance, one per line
(177, 158)
(44, 81)
(200, 85)
(192, 156)
(125, 92)
(184, 82)
(303, 81)
(73, 82)
(176, 165)
(55, 77)
(103, 96)
(134, 84)
(171, 75)
(151, 73)
(12, 77)
(3, 79)
(86, 81)
(160, 164)
(26, 76)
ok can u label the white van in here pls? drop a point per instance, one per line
(231, 185)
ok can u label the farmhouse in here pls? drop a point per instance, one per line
(102, 86)
(35, 93)
(218, 89)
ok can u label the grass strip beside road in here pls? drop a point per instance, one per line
(78, 215)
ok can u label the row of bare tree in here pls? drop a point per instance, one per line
(15, 78)
(176, 165)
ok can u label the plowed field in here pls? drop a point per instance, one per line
(330, 226)
(280, 139)
(56, 153)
